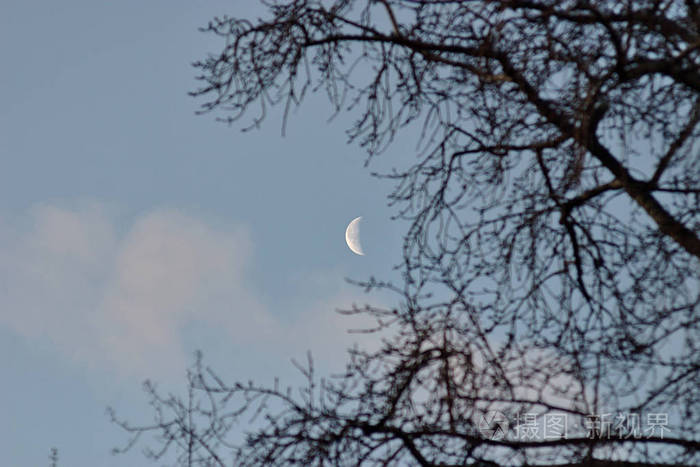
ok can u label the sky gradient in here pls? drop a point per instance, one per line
(133, 232)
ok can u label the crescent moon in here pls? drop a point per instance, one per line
(352, 236)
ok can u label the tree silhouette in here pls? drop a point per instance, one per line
(552, 265)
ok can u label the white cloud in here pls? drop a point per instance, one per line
(172, 269)
(51, 269)
(123, 299)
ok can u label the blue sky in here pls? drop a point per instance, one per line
(133, 232)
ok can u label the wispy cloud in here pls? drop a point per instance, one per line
(122, 297)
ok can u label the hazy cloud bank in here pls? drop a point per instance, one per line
(122, 297)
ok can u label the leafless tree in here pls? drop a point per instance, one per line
(552, 265)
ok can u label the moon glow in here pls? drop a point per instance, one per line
(352, 236)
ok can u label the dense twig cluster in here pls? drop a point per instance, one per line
(553, 259)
